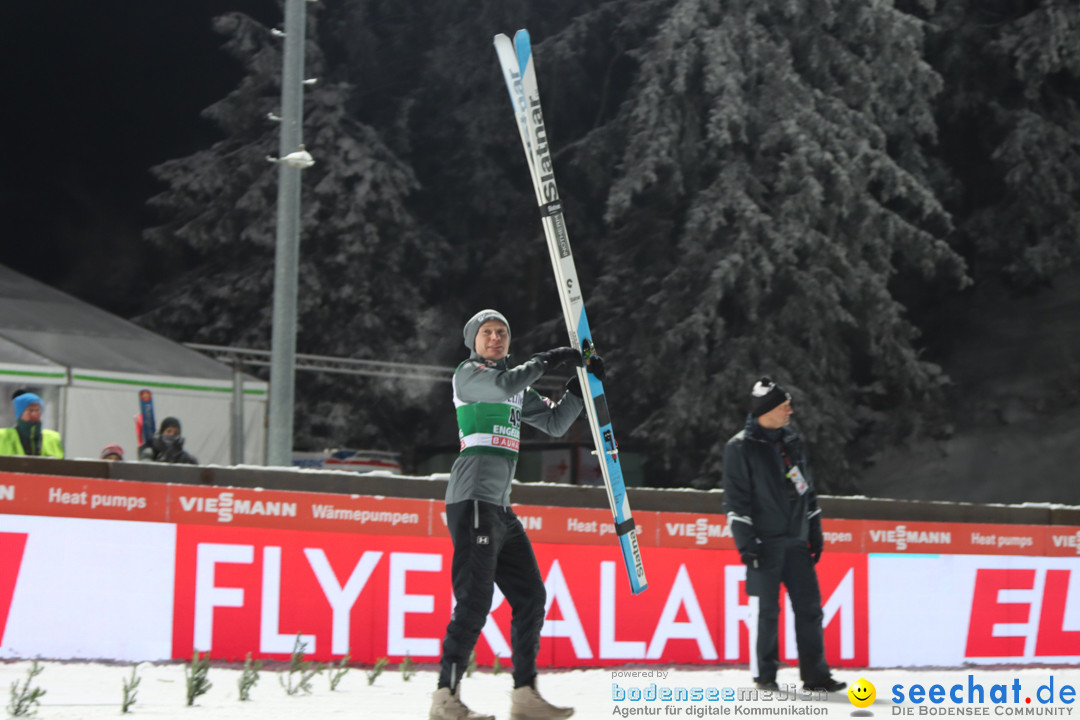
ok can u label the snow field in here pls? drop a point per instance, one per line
(93, 691)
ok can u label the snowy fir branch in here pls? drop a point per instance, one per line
(195, 675)
(298, 677)
(408, 669)
(374, 672)
(24, 699)
(248, 677)
(129, 690)
(337, 672)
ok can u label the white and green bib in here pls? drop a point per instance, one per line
(490, 428)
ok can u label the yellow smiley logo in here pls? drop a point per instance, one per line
(862, 693)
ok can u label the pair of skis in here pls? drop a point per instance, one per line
(516, 59)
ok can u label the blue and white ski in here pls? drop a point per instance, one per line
(519, 72)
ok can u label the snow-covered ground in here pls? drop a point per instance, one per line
(90, 691)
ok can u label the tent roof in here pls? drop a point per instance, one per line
(14, 354)
(40, 325)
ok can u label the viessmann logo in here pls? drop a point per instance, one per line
(529, 522)
(226, 505)
(701, 530)
(902, 537)
(1067, 541)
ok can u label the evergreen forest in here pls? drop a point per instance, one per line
(808, 189)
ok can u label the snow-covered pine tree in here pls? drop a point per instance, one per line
(366, 265)
(1010, 121)
(444, 111)
(769, 182)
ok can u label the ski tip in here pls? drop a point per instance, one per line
(500, 38)
(523, 46)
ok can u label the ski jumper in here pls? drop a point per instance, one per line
(490, 544)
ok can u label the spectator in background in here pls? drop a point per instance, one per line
(28, 437)
(112, 452)
(167, 445)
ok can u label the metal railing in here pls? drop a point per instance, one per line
(346, 366)
(325, 363)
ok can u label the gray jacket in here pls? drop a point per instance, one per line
(487, 477)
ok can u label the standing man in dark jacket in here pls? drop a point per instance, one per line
(490, 544)
(167, 445)
(776, 523)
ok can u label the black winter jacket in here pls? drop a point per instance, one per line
(760, 500)
(159, 450)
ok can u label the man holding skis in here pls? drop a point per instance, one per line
(490, 544)
(776, 524)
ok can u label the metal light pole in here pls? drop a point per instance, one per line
(236, 453)
(286, 261)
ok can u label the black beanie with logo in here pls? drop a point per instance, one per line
(766, 395)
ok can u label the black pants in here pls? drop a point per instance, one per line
(788, 562)
(491, 548)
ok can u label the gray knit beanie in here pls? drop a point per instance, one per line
(473, 326)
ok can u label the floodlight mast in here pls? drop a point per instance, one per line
(279, 444)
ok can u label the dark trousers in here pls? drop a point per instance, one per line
(788, 562)
(491, 548)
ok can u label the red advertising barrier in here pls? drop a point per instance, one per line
(245, 507)
(82, 497)
(12, 546)
(165, 570)
(244, 590)
(1063, 541)
(286, 509)
(688, 530)
(988, 610)
(954, 538)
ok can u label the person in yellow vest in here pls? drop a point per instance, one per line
(28, 437)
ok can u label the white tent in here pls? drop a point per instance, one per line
(89, 366)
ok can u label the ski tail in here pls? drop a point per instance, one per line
(519, 72)
(607, 448)
(144, 422)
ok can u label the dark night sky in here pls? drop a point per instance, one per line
(95, 94)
